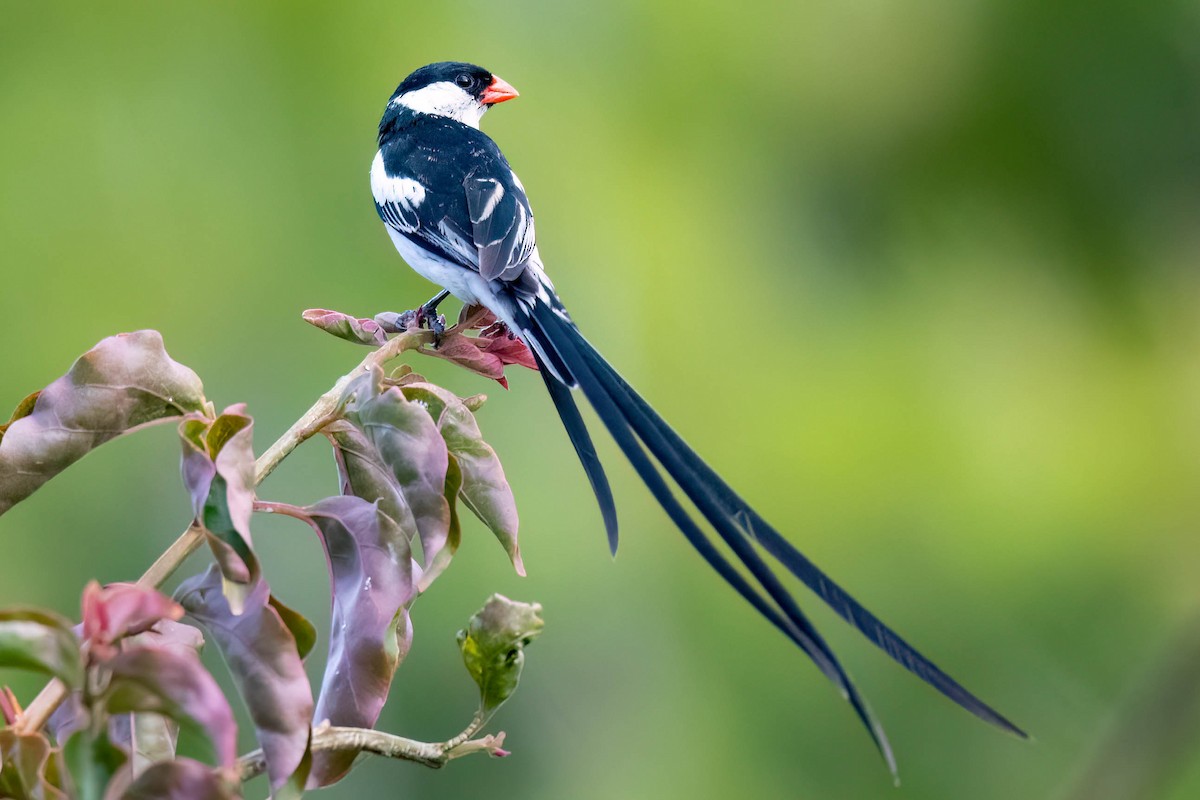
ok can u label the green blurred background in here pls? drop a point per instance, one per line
(919, 277)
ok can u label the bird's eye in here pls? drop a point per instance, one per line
(463, 80)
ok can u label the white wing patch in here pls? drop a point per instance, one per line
(494, 196)
(404, 192)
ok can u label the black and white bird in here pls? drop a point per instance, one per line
(459, 216)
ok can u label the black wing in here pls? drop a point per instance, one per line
(470, 208)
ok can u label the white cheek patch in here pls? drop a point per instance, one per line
(404, 192)
(445, 100)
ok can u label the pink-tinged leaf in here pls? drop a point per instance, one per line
(29, 768)
(181, 779)
(473, 318)
(40, 641)
(121, 609)
(404, 439)
(485, 489)
(344, 326)
(175, 684)
(486, 354)
(265, 662)
(509, 349)
(371, 575)
(218, 472)
(150, 738)
(464, 351)
(123, 383)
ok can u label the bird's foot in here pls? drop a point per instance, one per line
(419, 317)
(427, 317)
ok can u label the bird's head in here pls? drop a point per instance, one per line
(452, 89)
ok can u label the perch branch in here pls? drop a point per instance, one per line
(326, 738)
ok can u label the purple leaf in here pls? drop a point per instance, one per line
(40, 641)
(371, 573)
(441, 559)
(121, 609)
(218, 471)
(151, 738)
(263, 658)
(121, 384)
(175, 684)
(27, 764)
(485, 489)
(181, 779)
(362, 473)
(344, 326)
(405, 440)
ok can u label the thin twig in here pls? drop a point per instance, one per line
(318, 416)
(430, 754)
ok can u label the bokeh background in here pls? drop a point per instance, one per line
(921, 278)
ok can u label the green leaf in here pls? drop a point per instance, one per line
(493, 647)
(123, 383)
(29, 767)
(42, 642)
(303, 631)
(218, 472)
(150, 738)
(92, 762)
(485, 489)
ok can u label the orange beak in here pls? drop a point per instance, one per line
(498, 91)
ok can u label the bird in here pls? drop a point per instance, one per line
(459, 216)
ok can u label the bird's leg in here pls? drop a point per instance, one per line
(422, 316)
(427, 315)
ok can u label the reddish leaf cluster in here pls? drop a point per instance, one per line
(492, 347)
(487, 353)
(129, 664)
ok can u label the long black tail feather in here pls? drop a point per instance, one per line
(568, 412)
(792, 622)
(734, 508)
(626, 414)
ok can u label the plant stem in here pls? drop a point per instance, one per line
(322, 412)
(325, 409)
(327, 738)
